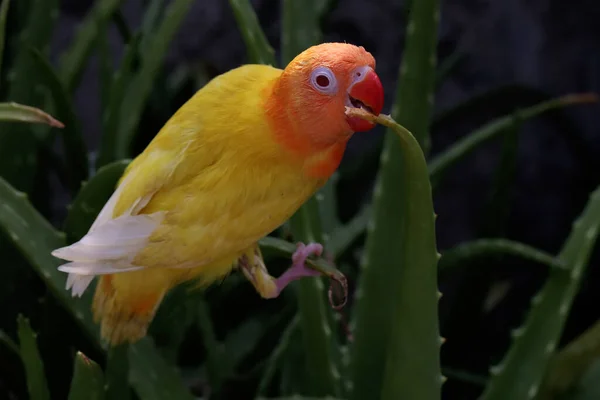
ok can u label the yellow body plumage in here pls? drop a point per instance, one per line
(223, 182)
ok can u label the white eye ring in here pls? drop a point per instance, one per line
(323, 80)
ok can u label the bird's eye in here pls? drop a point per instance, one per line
(323, 79)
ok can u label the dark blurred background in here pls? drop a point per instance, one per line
(513, 53)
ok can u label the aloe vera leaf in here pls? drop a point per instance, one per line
(9, 343)
(105, 67)
(498, 207)
(343, 236)
(91, 198)
(216, 352)
(520, 374)
(257, 46)
(122, 26)
(73, 60)
(74, 145)
(397, 319)
(298, 397)
(275, 357)
(465, 376)
(111, 116)
(32, 361)
(21, 113)
(117, 370)
(18, 144)
(136, 96)
(418, 71)
(441, 163)
(488, 247)
(300, 31)
(36, 238)
(322, 7)
(88, 379)
(151, 377)
(588, 387)
(447, 66)
(396, 302)
(3, 14)
(150, 21)
(326, 200)
(300, 27)
(292, 378)
(570, 364)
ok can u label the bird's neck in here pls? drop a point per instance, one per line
(306, 138)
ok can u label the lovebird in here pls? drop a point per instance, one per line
(227, 169)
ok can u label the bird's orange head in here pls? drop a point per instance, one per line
(308, 100)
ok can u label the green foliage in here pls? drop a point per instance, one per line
(88, 379)
(117, 369)
(74, 59)
(3, 15)
(209, 344)
(151, 377)
(463, 252)
(588, 387)
(36, 238)
(32, 361)
(75, 149)
(411, 290)
(17, 142)
(19, 113)
(258, 48)
(141, 84)
(397, 289)
(112, 114)
(442, 163)
(520, 374)
(571, 366)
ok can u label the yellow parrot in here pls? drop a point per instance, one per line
(229, 167)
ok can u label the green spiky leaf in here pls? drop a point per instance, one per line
(136, 96)
(74, 145)
(3, 15)
(519, 375)
(15, 112)
(490, 247)
(384, 362)
(73, 61)
(32, 361)
(257, 46)
(88, 379)
(396, 310)
(151, 377)
(36, 239)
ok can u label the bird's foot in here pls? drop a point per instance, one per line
(299, 269)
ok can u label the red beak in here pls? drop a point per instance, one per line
(366, 92)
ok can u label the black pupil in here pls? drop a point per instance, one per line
(322, 81)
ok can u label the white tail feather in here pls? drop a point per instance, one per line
(116, 240)
(110, 245)
(79, 283)
(96, 268)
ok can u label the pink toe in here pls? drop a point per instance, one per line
(314, 248)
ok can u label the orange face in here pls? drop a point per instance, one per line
(320, 82)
